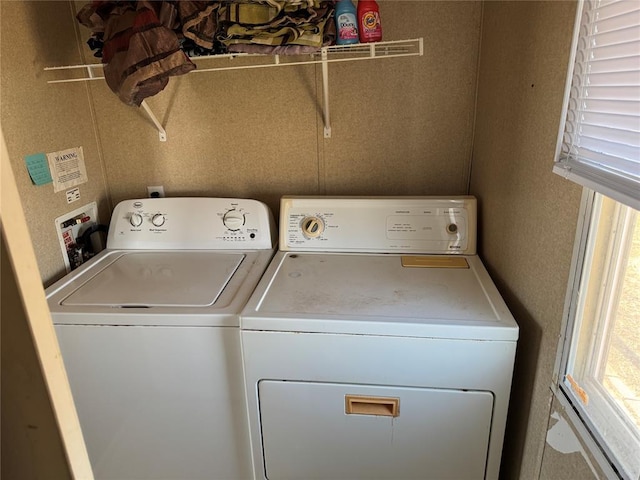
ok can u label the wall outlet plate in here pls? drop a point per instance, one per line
(69, 227)
(155, 191)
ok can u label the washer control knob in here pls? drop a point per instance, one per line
(136, 219)
(158, 219)
(452, 228)
(312, 227)
(233, 220)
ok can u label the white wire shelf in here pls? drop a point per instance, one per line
(245, 61)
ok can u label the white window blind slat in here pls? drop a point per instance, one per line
(608, 134)
(613, 79)
(619, 107)
(612, 8)
(600, 146)
(591, 148)
(618, 122)
(624, 64)
(616, 37)
(605, 52)
(616, 22)
(610, 92)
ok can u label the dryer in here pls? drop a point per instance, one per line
(376, 345)
(149, 334)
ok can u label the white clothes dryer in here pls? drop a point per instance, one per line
(149, 334)
(376, 345)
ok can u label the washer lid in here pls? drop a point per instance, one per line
(159, 279)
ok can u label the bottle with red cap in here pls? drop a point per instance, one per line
(369, 26)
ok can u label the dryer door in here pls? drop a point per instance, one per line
(324, 430)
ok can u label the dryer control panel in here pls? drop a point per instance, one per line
(433, 225)
(197, 223)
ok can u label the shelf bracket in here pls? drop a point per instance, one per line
(162, 133)
(325, 93)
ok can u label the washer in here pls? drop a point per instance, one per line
(376, 344)
(149, 334)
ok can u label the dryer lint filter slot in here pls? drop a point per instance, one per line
(432, 261)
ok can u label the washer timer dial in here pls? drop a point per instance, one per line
(312, 227)
(233, 220)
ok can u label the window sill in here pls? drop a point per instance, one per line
(585, 437)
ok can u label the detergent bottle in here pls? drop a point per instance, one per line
(346, 23)
(369, 26)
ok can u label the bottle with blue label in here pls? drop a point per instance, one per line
(346, 23)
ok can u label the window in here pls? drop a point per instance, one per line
(599, 148)
(601, 371)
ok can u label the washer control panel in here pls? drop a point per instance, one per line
(434, 225)
(191, 223)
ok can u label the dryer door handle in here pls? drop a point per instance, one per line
(363, 405)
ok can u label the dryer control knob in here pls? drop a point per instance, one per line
(136, 219)
(312, 227)
(233, 220)
(452, 228)
(158, 219)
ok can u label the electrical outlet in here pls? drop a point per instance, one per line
(156, 192)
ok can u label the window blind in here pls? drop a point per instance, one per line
(600, 143)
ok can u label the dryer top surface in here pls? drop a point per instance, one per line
(386, 294)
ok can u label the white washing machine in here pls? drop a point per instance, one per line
(376, 346)
(149, 334)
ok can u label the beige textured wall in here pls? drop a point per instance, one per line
(38, 117)
(528, 214)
